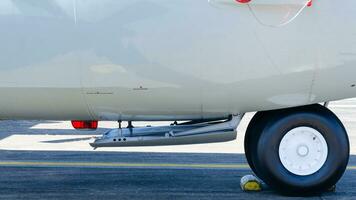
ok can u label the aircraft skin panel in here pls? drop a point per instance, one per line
(39, 66)
(183, 65)
(335, 76)
(167, 60)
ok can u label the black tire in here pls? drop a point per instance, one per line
(255, 126)
(265, 156)
(253, 132)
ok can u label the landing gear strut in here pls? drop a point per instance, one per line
(300, 150)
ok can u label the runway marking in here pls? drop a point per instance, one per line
(351, 167)
(118, 165)
(124, 165)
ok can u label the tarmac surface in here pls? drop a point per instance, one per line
(50, 160)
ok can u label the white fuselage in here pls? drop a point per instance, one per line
(170, 60)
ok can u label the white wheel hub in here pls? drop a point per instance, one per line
(303, 151)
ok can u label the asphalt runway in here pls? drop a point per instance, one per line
(49, 160)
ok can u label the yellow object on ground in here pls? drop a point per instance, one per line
(250, 183)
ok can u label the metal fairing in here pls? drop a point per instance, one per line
(170, 60)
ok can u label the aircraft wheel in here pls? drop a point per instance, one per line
(255, 126)
(300, 151)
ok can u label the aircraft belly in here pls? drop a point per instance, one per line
(142, 59)
(189, 60)
(39, 71)
(167, 60)
(42, 103)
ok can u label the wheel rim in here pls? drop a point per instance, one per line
(303, 151)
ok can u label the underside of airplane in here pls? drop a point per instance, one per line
(201, 64)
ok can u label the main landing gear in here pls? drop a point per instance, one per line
(302, 150)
